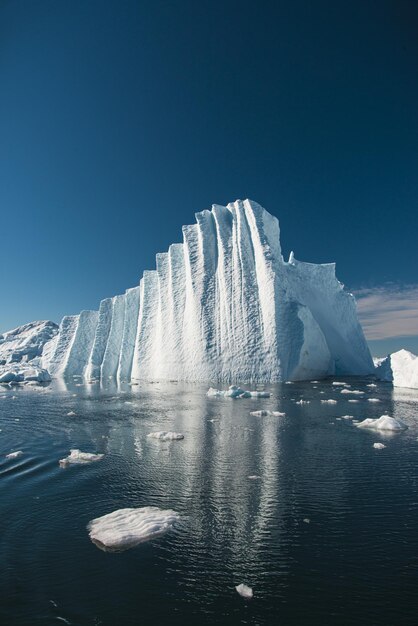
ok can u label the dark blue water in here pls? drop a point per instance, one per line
(355, 562)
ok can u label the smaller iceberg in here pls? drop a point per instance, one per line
(236, 392)
(379, 446)
(164, 435)
(126, 528)
(14, 455)
(76, 457)
(267, 413)
(244, 591)
(383, 423)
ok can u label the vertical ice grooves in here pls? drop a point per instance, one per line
(222, 305)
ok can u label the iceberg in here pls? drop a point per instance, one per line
(126, 528)
(383, 423)
(399, 368)
(221, 306)
(244, 591)
(14, 455)
(379, 446)
(76, 457)
(164, 435)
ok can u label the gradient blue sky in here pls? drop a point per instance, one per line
(119, 120)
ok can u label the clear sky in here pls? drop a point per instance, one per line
(120, 119)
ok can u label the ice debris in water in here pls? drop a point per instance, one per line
(303, 402)
(373, 399)
(379, 446)
(254, 477)
(347, 417)
(164, 435)
(14, 455)
(352, 401)
(237, 392)
(70, 413)
(382, 423)
(372, 385)
(352, 391)
(306, 520)
(244, 591)
(329, 401)
(267, 413)
(340, 384)
(126, 528)
(78, 457)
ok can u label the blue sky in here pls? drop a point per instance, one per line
(119, 120)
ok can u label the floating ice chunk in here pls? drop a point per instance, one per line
(303, 402)
(354, 400)
(14, 455)
(289, 382)
(126, 528)
(254, 477)
(77, 457)
(382, 423)
(372, 385)
(236, 392)
(373, 399)
(71, 413)
(267, 413)
(328, 401)
(379, 446)
(353, 392)
(244, 591)
(164, 435)
(340, 384)
(347, 417)
(306, 520)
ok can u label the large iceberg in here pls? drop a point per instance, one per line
(399, 368)
(222, 306)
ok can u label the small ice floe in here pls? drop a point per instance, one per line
(303, 402)
(372, 385)
(373, 399)
(352, 392)
(244, 591)
(126, 528)
(314, 382)
(254, 477)
(76, 457)
(166, 435)
(14, 455)
(128, 402)
(306, 520)
(347, 417)
(70, 414)
(267, 413)
(354, 401)
(379, 446)
(383, 423)
(236, 392)
(289, 382)
(340, 384)
(328, 401)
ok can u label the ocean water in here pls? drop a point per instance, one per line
(354, 560)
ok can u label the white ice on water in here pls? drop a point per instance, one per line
(265, 413)
(382, 423)
(76, 457)
(379, 446)
(126, 528)
(399, 368)
(14, 455)
(244, 591)
(164, 435)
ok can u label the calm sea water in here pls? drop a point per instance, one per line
(355, 562)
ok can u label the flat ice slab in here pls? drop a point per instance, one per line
(244, 591)
(382, 423)
(76, 457)
(126, 528)
(267, 413)
(379, 446)
(329, 401)
(14, 455)
(164, 435)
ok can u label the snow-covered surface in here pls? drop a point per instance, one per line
(223, 306)
(400, 368)
(164, 435)
(244, 591)
(382, 423)
(76, 457)
(21, 353)
(126, 528)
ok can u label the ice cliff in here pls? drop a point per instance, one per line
(221, 306)
(399, 368)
